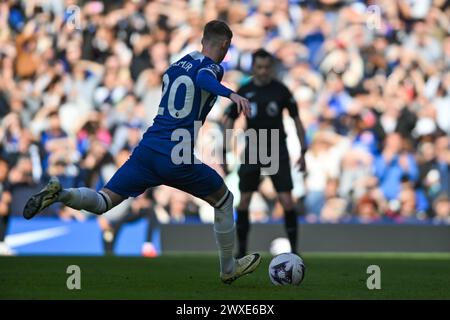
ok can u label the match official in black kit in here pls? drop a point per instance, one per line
(268, 98)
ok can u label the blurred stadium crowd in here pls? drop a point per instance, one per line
(80, 82)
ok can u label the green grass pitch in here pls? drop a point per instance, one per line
(195, 276)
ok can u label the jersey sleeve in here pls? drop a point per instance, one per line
(209, 77)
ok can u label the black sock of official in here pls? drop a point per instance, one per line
(3, 226)
(290, 223)
(242, 229)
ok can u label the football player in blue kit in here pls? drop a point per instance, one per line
(190, 88)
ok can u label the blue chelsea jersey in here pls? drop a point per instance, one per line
(184, 100)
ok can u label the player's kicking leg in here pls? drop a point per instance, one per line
(130, 180)
(224, 230)
(76, 198)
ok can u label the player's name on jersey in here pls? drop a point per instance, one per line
(186, 65)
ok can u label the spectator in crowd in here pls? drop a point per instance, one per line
(412, 202)
(392, 164)
(334, 208)
(367, 209)
(435, 169)
(53, 139)
(5, 202)
(442, 208)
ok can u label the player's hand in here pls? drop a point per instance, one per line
(242, 104)
(301, 163)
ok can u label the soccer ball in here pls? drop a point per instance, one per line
(286, 269)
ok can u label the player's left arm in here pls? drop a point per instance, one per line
(293, 112)
(208, 80)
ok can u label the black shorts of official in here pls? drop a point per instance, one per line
(250, 177)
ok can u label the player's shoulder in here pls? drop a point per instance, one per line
(210, 64)
(186, 62)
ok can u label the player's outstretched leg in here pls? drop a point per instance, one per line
(76, 198)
